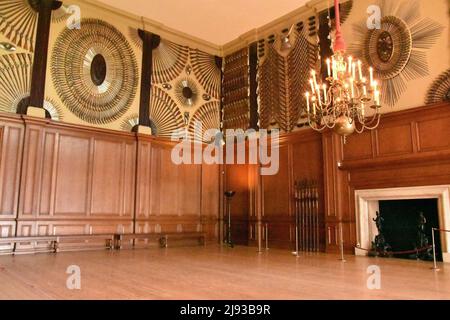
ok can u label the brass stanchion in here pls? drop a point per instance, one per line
(295, 253)
(297, 209)
(229, 195)
(267, 236)
(259, 237)
(435, 267)
(342, 243)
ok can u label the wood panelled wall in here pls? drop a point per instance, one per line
(11, 144)
(75, 180)
(57, 178)
(174, 198)
(300, 158)
(410, 148)
(262, 200)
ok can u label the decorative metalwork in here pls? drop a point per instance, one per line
(188, 70)
(209, 117)
(269, 87)
(186, 92)
(133, 34)
(97, 78)
(282, 80)
(207, 72)
(132, 120)
(236, 104)
(167, 86)
(54, 109)
(169, 58)
(15, 77)
(164, 114)
(440, 89)
(7, 47)
(18, 21)
(396, 51)
(186, 117)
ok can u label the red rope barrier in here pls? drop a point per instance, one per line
(396, 252)
(442, 230)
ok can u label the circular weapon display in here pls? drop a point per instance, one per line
(97, 78)
(186, 92)
(397, 49)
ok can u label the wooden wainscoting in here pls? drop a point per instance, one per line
(409, 148)
(76, 180)
(174, 198)
(11, 145)
(237, 179)
(268, 201)
(300, 159)
(63, 179)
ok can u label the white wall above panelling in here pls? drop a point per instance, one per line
(215, 21)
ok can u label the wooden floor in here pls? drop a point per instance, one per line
(213, 272)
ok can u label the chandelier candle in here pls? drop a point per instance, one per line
(340, 103)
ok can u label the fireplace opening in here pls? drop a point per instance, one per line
(406, 226)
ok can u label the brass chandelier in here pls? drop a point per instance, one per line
(340, 103)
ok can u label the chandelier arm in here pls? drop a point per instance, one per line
(314, 126)
(374, 117)
(374, 126)
(360, 130)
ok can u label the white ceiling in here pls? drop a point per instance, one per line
(216, 21)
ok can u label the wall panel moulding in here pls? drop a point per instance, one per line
(60, 179)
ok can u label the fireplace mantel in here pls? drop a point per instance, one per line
(366, 204)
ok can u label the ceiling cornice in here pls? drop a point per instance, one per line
(274, 27)
(266, 30)
(157, 28)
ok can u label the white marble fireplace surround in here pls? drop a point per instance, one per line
(367, 203)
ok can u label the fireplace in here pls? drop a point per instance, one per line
(407, 225)
(369, 202)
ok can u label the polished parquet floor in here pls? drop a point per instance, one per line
(214, 272)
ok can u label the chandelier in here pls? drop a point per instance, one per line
(341, 103)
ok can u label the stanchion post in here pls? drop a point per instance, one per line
(342, 243)
(267, 236)
(296, 242)
(435, 268)
(259, 237)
